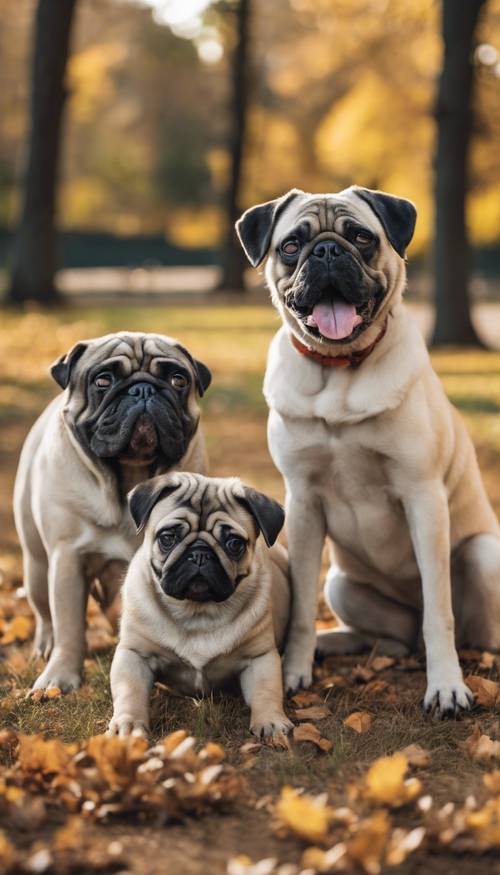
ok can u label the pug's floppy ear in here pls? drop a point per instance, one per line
(267, 513)
(255, 227)
(62, 368)
(396, 215)
(202, 374)
(143, 498)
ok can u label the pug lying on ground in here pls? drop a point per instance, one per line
(128, 411)
(204, 599)
(372, 452)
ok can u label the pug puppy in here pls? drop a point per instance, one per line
(372, 452)
(128, 410)
(204, 599)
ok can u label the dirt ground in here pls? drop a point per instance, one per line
(233, 341)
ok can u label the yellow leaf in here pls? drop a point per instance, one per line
(485, 823)
(306, 816)
(385, 781)
(480, 747)
(367, 847)
(360, 721)
(19, 629)
(37, 755)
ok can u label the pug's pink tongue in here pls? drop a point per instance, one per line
(336, 320)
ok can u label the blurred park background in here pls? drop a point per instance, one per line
(134, 132)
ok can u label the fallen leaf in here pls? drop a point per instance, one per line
(403, 843)
(491, 780)
(19, 629)
(385, 781)
(360, 721)
(309, 732)
(362, 674)
(379, 663)
(374, 687)
(314, 712)
(305, 698)
(485, 691)
(480, 747)
(332, 680)
(485, 824)
(367, 846)
(488, 660)
(306, 816)
(44, 695)
(416, 756)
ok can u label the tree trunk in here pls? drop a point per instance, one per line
(35, 247)
(453, 324)
(233, 259)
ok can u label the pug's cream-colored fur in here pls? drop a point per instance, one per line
(373, 454)
(196, 646)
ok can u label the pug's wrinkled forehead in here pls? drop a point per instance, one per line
(205, 504)
(263, 227)
(130, 352)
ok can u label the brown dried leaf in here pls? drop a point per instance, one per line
(480, 747)
(359, 721)
(491, 780)
(306, 816)
(362, 674)
(485, 691)
(305, 698)
(379, 663)
(314, 712)
(309, 732)
(417, 756)
(488, 660)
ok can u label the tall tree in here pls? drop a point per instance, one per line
(454, 112)
(233, 262)
(35, 248)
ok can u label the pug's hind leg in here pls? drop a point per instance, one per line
(262, 688)
(131, 684)
(366, 618)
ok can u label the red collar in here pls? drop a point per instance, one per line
(338, 361)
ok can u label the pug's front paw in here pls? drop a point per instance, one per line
(444, 700)
(271, 726)
(124, 725)
(58, 674)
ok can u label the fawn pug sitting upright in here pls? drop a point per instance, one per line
(372, 452)
(204, 600)
(128, 411)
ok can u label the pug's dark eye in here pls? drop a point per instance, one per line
(179, 381)
(235, 547)
(104, 380)
(363, 238)
(290, 247)
(167, 540)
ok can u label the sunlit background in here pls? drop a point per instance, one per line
(339, 92)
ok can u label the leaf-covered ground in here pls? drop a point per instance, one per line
(93, 808)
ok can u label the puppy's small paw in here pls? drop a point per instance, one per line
(448, 700)
(125, 725)
(273, 728)
(56, 675)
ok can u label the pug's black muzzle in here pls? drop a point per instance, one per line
(142, 420)
(198, 576)
(331, 272)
